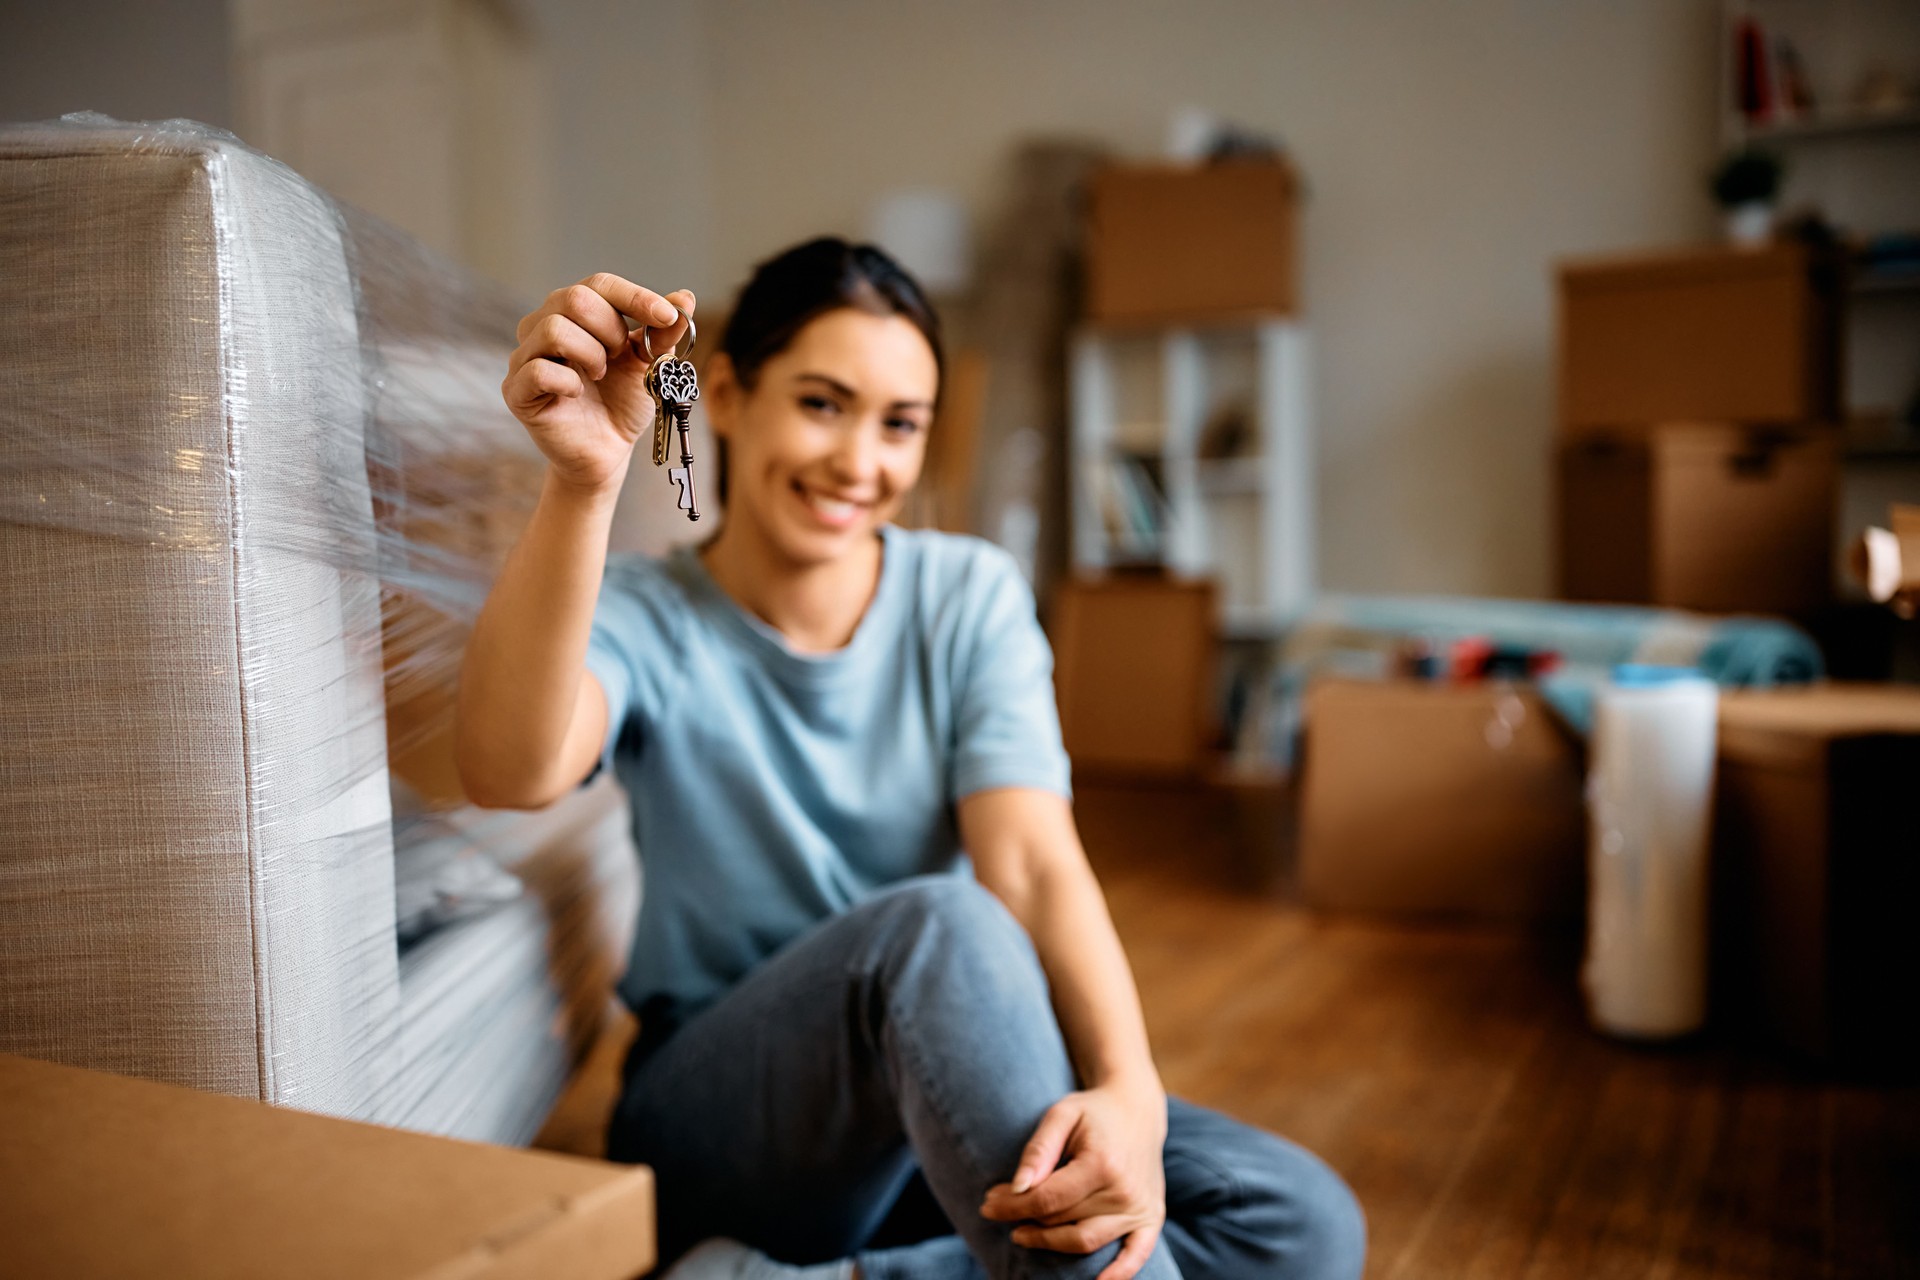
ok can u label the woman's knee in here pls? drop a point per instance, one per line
(1335, 1226)
(953, 910)
(953, 931)
(1319, 1228)
(1252, 1202)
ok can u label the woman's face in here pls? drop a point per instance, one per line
(822, 451)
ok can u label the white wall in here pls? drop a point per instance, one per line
(1454, 150)
(136, 59)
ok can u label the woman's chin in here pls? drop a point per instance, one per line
(810, 541)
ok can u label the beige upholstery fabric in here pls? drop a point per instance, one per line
(192, 800)
(254, 478)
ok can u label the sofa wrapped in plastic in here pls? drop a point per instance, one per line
(255, 477)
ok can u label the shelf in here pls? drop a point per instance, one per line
(1881, 451)
(1231, 475)
(1879, 437)
(1877, 282)
(1210, 322)
(1839, 124)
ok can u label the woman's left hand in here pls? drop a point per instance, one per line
(1109, 1181)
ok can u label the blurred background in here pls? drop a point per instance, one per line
(1403, 412)
(1451, 154)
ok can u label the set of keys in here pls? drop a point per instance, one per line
(674, 387)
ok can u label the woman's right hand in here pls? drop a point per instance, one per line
(578, 379)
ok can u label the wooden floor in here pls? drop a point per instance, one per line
(1450, 1076)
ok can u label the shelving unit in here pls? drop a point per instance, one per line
(1830, 124)
(1141, 402)
(1861, 168)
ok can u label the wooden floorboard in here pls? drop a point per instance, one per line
(1450, 1076)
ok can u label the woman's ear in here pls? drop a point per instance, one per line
(722, 394)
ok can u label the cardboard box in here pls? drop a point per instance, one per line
(1741, 335)
(1167, 243)
(1699, 516)
(107, 1176)
(1817, 851)
(1133, 672)
(1261, 803)
(1443, 800)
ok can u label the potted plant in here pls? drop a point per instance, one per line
(1746, 185)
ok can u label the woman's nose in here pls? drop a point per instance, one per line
(857, 459)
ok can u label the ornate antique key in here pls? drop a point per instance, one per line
(674, 387)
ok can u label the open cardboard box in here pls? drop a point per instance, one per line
(1442, 800)
(1817, 853)
(107, 1176)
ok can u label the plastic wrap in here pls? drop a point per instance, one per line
(1650, 794)
(255, 479)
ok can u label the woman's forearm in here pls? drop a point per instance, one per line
(1093, 989)
(1026, 851)
(528, 723)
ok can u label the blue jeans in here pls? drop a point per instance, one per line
(857, 1093)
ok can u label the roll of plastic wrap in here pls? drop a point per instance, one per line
(1650, 794)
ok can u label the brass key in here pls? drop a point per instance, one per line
(674, 386)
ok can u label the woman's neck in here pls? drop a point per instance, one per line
(816, 606)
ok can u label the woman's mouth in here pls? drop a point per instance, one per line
(833, 512)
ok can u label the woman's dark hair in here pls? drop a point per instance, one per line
(790, 290)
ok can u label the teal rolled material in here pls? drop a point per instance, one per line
(1356, 635)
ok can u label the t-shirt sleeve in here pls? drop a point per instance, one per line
(1007, 722)
(625, 649)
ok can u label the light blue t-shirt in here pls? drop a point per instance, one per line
(773, 789)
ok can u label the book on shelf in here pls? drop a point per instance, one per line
(1771, 85)
(1133, 504)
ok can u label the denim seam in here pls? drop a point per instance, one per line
(927, 1081)
(1236, 1188)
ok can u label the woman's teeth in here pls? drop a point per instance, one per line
(833, 510)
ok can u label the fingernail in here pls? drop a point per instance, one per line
(665, 312)
(1020, 1184)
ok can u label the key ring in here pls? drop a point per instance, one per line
(646, 337)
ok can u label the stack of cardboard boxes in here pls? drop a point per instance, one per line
(1697, 458)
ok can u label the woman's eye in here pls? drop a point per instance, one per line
(818, 404)
(906, 426)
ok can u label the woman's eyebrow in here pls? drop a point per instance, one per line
(834, 385)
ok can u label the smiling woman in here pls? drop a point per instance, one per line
(887, 1031)
(820, 403)
(812, 280)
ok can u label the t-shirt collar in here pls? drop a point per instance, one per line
(765, 641)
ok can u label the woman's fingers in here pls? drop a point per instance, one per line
(1132, 1256)
(1078, 1237)
(538, 380)
(641, 303)
(597, 303)
(1066, 1188)
(662, 338)
(554, 337)
(1042, 1152)
(592, 311)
